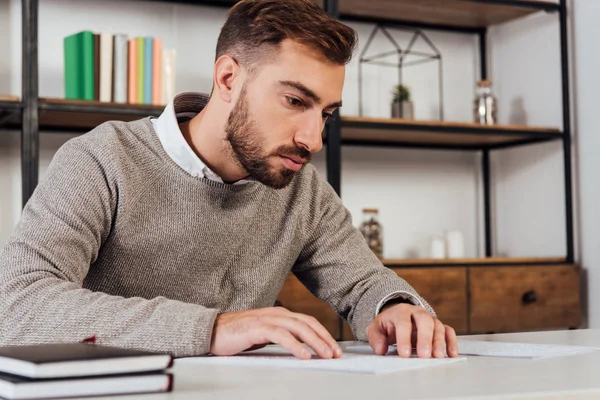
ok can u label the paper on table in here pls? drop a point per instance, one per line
(519, 350)
(357, 362)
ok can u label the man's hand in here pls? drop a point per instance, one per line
(408, 325)
(234, 332)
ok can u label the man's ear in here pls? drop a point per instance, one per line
(226, 71)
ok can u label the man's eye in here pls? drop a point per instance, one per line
(326, 115)
(294, 102)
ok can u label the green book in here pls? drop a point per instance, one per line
(79, 66)
(72, 73)
(141, 68)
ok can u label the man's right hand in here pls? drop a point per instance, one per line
(234, 332)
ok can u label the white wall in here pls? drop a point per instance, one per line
(528, 181)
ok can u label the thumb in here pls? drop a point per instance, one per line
(377, 339)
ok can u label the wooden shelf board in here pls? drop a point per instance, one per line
(471, 14)
(452, 13)
(10, 107)
(9, 98)
(474, 261)
(359, 130)
(57, 114)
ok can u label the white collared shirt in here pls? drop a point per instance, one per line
(172, 140)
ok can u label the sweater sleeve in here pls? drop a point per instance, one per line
(337, 266)
(46, 260)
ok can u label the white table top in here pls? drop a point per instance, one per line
(573, 377)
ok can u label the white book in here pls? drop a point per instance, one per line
(168, 75)
(106, 66)
(16, 388)
(119, 86)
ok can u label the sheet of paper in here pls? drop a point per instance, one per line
(503, 349)
(519, 350)
(357, 362)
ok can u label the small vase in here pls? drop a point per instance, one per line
(402, 110)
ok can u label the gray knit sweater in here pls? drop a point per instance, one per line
(119, 242)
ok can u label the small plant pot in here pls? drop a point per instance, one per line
(403, 110)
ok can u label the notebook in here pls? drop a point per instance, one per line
(14, 387)
(77, 359)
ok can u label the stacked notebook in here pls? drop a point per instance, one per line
(79, 369)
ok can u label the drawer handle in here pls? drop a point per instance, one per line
(529, 297)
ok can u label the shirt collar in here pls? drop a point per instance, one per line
(181, 108)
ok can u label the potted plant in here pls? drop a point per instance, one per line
(402, 106)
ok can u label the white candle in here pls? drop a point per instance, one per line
(455, 244)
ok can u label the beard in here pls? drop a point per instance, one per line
(247, 145)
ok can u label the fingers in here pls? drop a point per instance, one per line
(403, 327)
(451, 341)
(408, 324)
(425, 329)
(439, 339)
(321, 332)
(284, 338)
(303, 331)
(377, 338)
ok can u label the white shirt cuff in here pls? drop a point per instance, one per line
(398, 295)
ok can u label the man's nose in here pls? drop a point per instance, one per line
(310, 134)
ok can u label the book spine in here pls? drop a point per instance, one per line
(132, 72)
(106, 67)
(168, 76)
(157, 72)
(140, 70)
(148, 59)
(96, 67)
(120, 71)
(87, 65)
(72, 46)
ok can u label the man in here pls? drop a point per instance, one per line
(176, 234)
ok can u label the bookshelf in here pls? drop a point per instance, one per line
(34, 115)
(466, 16)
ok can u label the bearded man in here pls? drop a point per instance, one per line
(175, 234)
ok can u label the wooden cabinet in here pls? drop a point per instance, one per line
(509, 299)
(474, 299)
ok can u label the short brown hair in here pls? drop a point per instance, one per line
(254, 27)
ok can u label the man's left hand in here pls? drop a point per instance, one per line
(408, 325)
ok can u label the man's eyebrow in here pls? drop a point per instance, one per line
(309, 93)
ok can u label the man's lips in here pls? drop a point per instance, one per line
(293, 163)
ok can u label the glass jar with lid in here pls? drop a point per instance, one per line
(372, 231)
(485, 112)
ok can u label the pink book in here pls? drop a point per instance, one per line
(156, 72)
(132, 73)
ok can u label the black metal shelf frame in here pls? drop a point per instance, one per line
(560, 8)
(31, 106)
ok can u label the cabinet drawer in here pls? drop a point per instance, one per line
(509, 299)
(445, 289)
(297, 298)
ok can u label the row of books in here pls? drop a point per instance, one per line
(115, 68)
(48, 371)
